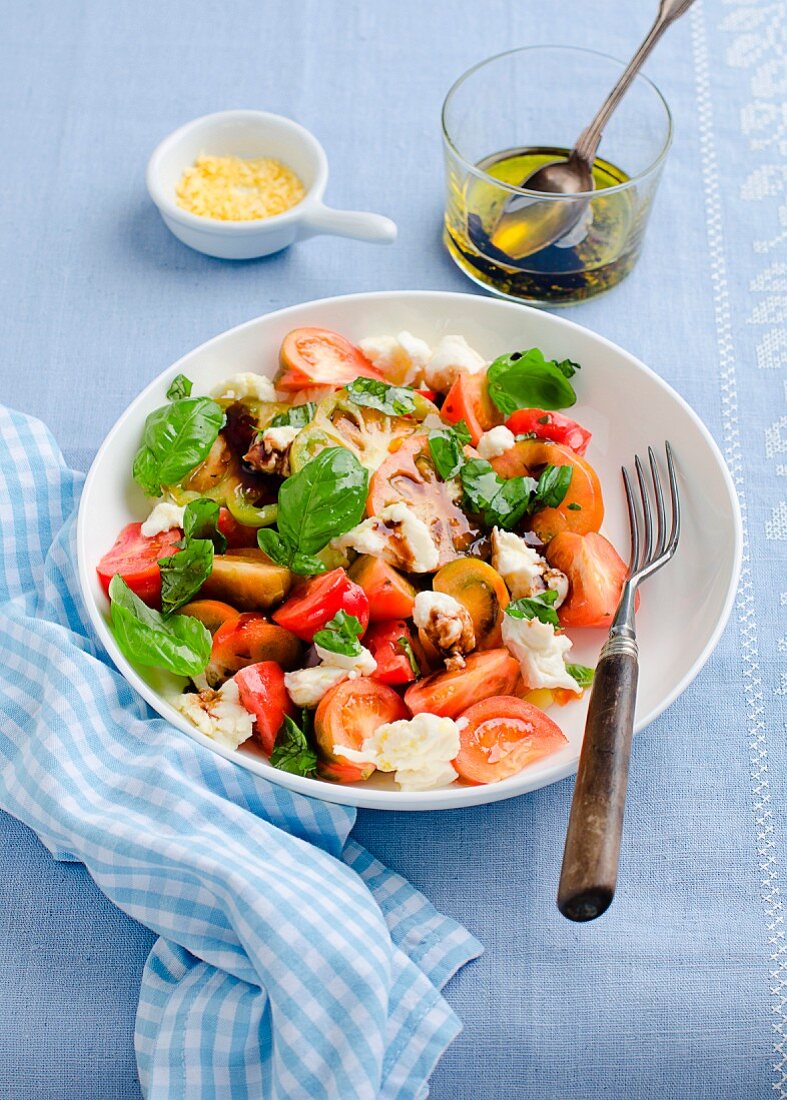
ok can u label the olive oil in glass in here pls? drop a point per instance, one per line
(482, 236)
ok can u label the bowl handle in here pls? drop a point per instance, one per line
(348, 223)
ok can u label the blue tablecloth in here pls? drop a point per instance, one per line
(681, 990)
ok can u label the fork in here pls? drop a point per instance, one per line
(592, 851)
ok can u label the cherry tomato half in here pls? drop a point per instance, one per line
(595, 572)
(262, 692)
(493, 672)
(237, 534)
(318, 357)
(314, 602)
(246, 640)
(391, 596)
(469, 400)
(346, 716)
(501, 736)
(135, 557)
(384, 641)
(550, 425)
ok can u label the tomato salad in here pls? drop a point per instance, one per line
(370, 562)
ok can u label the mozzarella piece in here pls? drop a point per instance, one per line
(452, 356)
(496, 442)
(368, 537)
(280, 438)
(419, 751)
(401, 358)
(417, 543)
(307, 686)
(518, 564)
(398, 535)
(243, 385)
(540, 651)
(218, 714)
(359, 664)
(164, 517)
(440, 602)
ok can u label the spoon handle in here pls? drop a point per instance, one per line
(588, 141)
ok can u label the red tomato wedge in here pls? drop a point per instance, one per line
(550, 425)
(314, 602)
(595, 572)
(135, 557)
(346, 716)
(582, 508)
(238, 536)
(263, 694)
(384, 641)
(408, 476)
(501, 736)
(318, 357)
(246, 640)
(468, 400)
(390, 595)
(430, 395)
(493, 672)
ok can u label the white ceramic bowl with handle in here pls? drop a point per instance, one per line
(249, 134)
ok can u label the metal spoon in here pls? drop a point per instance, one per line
(527, 225)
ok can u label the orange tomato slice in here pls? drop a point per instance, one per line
(346, 716)
(493, 672)
(582, 508)
(501, 736)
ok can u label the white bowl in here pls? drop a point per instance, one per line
(625, 405)
(254, 134)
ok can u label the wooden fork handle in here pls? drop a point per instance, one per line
(592, 851)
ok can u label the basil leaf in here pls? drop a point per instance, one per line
(201, 521)
(179, 644)
(526, 380)
(306, 565)
(297, 416)
(183, 574)
(177, 438)
(292, 752)
(567, 367)
(535, 607)
(275, 546)
(325, 499)
(180, 386)
(391, 400)
(283, 553)
(145, 472)
(574, 507)
(552, 486)
(447, 448)
(406, 646)
(499, 502)
(341, 635)
(582, 674)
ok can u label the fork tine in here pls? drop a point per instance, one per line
(633, 524)
(661, 540)
(675, 501)
(643, 490)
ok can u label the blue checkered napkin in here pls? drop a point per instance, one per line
(291, 963)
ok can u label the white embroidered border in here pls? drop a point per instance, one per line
(745, 604)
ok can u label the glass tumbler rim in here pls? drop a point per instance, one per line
(654, 166)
